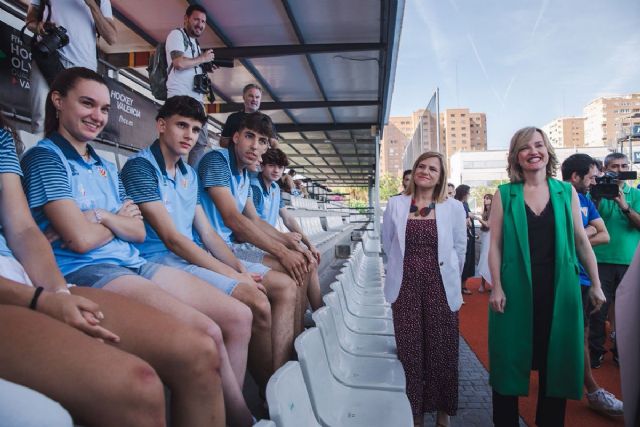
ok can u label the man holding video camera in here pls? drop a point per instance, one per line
(189, 67)
(619, 206)
(50, 21)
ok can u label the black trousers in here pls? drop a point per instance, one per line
(610, 277)
(549, 410)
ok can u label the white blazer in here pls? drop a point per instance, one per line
(452, 246)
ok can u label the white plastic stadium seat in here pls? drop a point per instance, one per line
(288, 398)
(359, 325)
(348, 298)
(337, 405)
(357, 344)
(358, 371)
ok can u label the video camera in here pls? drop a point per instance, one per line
(54, 38)
(607, 185)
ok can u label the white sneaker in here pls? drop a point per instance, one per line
(605, 402)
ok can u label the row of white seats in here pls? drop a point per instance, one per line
(302, 203)
(348, 373)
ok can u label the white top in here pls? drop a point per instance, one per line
(180, 82)
(75, 16)
(451, 223)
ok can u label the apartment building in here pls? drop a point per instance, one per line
(566, 132)
(607, 119)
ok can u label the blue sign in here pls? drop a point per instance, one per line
(636, 157)
(635, 130)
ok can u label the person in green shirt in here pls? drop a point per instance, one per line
(622, 218)
(536, 319)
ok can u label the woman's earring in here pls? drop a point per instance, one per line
(57, 114)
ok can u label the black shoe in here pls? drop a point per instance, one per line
(596, 361)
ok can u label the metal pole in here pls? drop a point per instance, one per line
(376, 216)
(438, 119)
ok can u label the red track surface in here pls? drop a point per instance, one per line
(473, 327)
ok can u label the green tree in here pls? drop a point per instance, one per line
(389, 186)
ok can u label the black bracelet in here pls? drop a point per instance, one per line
(36, 295)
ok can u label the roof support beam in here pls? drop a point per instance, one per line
(313, 127)
(360, 142)
(141, 58)
(232, 107)
(323, 155)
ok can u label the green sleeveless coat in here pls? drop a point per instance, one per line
(510, 333)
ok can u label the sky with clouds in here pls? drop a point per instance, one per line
(522, 62)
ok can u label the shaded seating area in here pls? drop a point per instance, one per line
(348, 373)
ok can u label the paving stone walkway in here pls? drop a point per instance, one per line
(474, 393)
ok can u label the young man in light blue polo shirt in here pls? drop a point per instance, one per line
(225, 194)
(166, 190)
(270, 205)
(78, 198)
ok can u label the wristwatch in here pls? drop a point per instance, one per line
(626, 211)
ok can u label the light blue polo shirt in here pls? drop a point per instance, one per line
(218, 169)
(8, 164)
(267, 200)
(146, 180)
(53, 170)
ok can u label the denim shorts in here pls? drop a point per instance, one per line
(98, 275)
(255, 268)
(247, 252)
(219, 281)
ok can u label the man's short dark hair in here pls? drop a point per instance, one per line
(405, 173)
(195, 8)
(258, 122)
(598, 164)
(613, 156)
(451, 184)
(182, 105)
(275, 156)
(578, 163)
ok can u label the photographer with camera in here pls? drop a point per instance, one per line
(581, 171)
(189, 67)
(618, 205)
(54, 49)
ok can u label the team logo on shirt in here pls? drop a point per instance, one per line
(102, 171)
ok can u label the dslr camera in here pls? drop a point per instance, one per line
(207, 67)
(202, 84)
(54, 38)
(607, 185)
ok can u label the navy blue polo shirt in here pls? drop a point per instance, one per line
(53, 170)
(146, 180)
(588, 213)
(218, 169)
(8, 164)
(267, 200)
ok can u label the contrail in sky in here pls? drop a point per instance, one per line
(484, 70)
(543, 9)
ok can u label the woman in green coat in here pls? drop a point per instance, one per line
(535, 321)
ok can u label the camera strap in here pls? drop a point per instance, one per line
(44, 4)
(193, 51)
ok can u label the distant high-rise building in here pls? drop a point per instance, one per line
(398, 133)
(608, 119)
(565, 132)
(461, 130)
